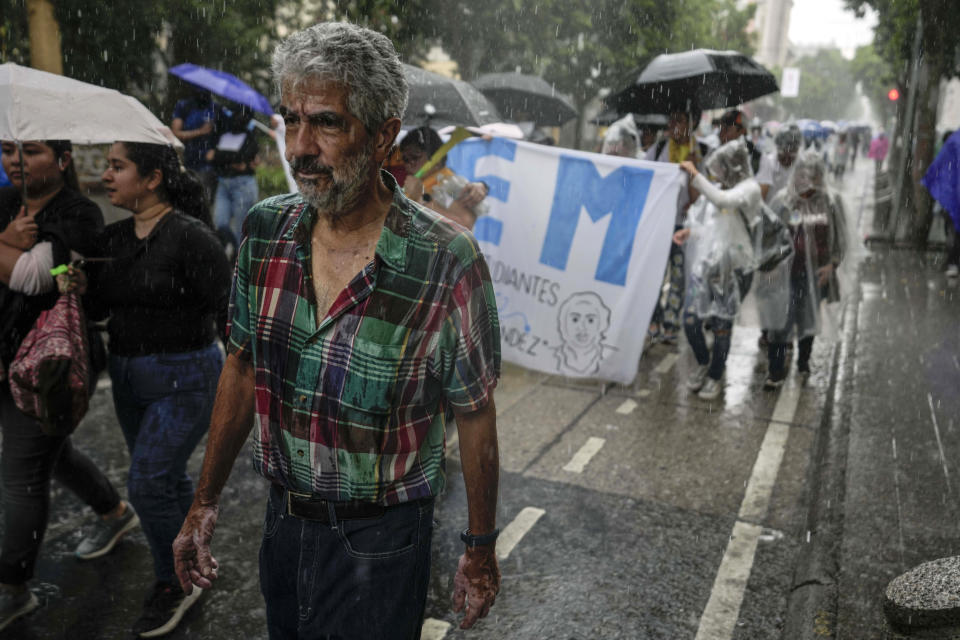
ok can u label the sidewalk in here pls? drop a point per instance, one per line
(885, 493)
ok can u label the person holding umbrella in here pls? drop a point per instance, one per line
(194, 119)
(234, 159)
(44, 229)
(680, 146)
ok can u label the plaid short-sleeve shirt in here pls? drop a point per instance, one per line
(355, 407)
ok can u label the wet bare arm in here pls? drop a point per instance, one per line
(477, 580)
(230, 425)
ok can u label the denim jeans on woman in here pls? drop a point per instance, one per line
(163, 403)
(349, 579)
(235, 196)
(29, 460)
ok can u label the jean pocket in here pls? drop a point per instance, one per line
(393, 534)
(271, 520)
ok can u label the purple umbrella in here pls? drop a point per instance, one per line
(223, 84)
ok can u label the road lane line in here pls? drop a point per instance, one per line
(582, 457)
(627, 407)
(719, 618)
(643, 393)
(452, 443)
(936, 431)
(666, 364)
(434, 629)
(513, 533)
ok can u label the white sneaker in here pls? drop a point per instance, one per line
(711, 389)
(697, 378)
(953, 271)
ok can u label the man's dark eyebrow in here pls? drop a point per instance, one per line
(326, 118)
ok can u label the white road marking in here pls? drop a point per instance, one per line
(514, 532)
(627, 407)
(719, 618)
(582, 457)
(665, 365)
(452, 443)
(105, 383)
(936, 431)
(643, 393)
(434, 629)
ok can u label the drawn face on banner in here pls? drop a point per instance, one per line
(583, 320)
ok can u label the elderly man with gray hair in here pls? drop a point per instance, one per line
(361, 324)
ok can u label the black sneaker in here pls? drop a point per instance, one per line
(163, 609)
(13, 605)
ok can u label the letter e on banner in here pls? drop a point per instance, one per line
(621, 195)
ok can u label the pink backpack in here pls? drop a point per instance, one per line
(50, 377)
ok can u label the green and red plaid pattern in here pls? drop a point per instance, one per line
(355, 408)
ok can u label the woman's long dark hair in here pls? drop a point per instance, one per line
(70, 172)
(181, 188)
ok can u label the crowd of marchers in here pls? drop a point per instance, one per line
(359, 320)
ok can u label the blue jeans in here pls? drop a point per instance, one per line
(235, 196)
(163, 402)
(722, 330)
(348, 580)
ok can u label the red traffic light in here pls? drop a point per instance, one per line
(893, 94)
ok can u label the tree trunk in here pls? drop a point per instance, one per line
(928, 98)
(44, 37)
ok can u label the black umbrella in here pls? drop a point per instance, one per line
(440, 101)
(526, 98)
(702, 79)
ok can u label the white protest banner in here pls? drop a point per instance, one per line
(577, 244)
(790, 85)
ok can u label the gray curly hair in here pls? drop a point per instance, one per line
(361, 60)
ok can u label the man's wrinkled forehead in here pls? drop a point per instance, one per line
(296, 91)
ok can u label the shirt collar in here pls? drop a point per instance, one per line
(391, 247)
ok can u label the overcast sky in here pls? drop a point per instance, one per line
(827, 22)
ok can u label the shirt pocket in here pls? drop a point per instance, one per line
(373, 376)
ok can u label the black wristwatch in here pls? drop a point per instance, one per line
(478, 541)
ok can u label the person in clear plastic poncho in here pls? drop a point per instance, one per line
(719, 257)
(622, 138)
(816, 220)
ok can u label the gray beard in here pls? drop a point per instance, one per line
(348, 183)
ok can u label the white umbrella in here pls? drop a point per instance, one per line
(36, 105)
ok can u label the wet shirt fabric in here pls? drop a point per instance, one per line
(355, 407)
(166, 293)
(72, 223)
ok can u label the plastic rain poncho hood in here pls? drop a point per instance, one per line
(622, 138)
(818, 225)
(719, 252)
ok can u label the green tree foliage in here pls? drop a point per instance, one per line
(827, 88)
(876, 78)
(129, 46)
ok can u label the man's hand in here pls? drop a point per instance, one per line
(210, 155)
(74, 280)
(823, 274)
(680, 236)
(22, 231)
(476, 584)
(192, 560)
(690, 168)
(473, 194)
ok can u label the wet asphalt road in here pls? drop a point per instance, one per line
(632, 545)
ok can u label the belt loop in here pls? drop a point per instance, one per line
(286, 501)
(331, 509)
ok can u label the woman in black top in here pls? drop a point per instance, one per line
(166, 285)
(54, 222)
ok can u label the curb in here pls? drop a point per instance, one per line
(812, 602)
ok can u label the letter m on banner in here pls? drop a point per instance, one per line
(621, 195)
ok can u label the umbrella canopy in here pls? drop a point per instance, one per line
(36, 105)
(440, 101)
(702, 79)
(223, 84)
(524, 97)
(811, 129)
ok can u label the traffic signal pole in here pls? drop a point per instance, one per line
(908, 130)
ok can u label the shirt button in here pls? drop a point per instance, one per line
(300, 452)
